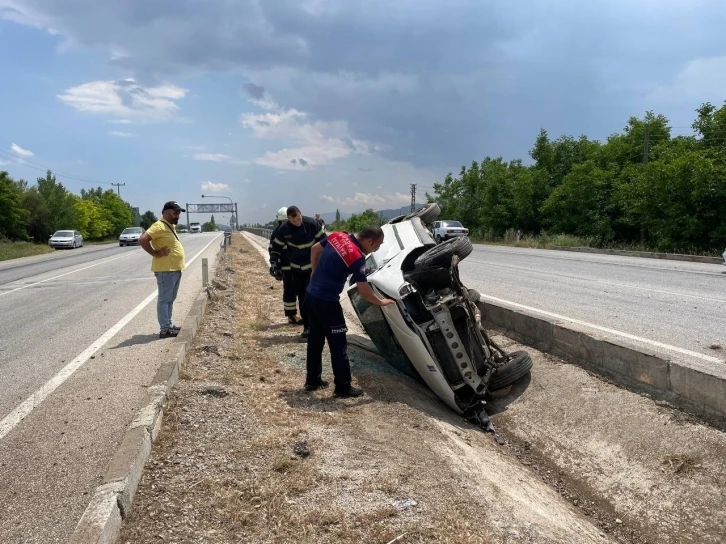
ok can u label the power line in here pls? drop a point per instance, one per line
(43, 168)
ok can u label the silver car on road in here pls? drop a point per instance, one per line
(66, 238)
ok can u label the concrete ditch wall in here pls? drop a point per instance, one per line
(694, 386)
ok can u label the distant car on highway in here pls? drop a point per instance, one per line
(445, 230)
(66, 238)
(130, 236)
(195, 227)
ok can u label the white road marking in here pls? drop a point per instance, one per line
(605, 329)
(64, 274)
(33, 401)
(595, 280)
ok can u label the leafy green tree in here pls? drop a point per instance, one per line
(148, 218)
(59, 205)
(90, 219)
(581, 205)
(358, 222)
(13, 218)
(116, 211)
(209, 226)
(337, 216)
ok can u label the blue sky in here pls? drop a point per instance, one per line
(331, 104)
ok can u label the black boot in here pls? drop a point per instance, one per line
(321, 384)
(347, 391)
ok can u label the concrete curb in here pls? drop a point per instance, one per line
(644, 254)
(112, 500)
(694, 386)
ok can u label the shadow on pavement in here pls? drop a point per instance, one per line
(136, 340)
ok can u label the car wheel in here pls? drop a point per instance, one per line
(428, 213)
(442, 254)
(438, 239)
(74, 245)
(518, 366)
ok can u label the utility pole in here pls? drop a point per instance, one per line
(413, 197)
(118, 185)
(646, 143)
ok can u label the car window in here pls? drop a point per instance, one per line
(131, 230)
(437, 224)
(64, 233)
(453, 224)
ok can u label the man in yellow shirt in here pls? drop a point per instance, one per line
(162, 243)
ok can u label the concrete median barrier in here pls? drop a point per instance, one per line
(693, 385)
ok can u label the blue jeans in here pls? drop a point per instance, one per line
(168, 283)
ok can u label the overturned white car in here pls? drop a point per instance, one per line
(434, 331)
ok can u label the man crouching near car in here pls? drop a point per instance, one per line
(333, 260)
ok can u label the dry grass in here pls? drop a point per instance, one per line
(16, 250)
(679, 464)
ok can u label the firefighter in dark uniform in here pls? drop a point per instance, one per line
(281, 271)
(294, 240)
(333, 260)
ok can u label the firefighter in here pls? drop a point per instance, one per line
(280, 270)
(294, 240)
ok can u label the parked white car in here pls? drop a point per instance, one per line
(434, 330)
(130, 236)
(445, 230)
(195, 227)
(66, 238)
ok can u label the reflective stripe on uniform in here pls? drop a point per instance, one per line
(298, 267)
(302, 246)
(286, 268)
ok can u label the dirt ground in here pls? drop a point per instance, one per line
(245, 455)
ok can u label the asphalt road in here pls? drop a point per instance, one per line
(676, 303)
(56, 309)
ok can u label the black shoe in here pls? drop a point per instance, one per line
(171, 333)
(175, 328)
(322, 384)
(305, 333)
(347, 391)
(294, 319)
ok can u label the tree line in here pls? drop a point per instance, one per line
(643, 187)
(35, 212)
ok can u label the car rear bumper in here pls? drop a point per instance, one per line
(129, 242)
(61, 244)
(448, 235)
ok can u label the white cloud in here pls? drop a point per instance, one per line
(212, 187)
(20, 152)
(367, 200)
(120, 134)
(700, 80)
(125, 99)
(318, 142)
(216, 157)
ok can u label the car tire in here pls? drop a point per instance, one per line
(74, 245)
(428, 213)
(518, 366)
(437, 238)
(442, 254)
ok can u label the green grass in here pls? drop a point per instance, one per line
(549, 241)
(15, 250)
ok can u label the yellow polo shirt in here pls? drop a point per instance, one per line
(163, 234)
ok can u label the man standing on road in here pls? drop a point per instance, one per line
(333, 260)
(280, 270)
(294, 240)
(320, 220)
(162, 242)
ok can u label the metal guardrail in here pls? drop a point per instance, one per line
(265, 233)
